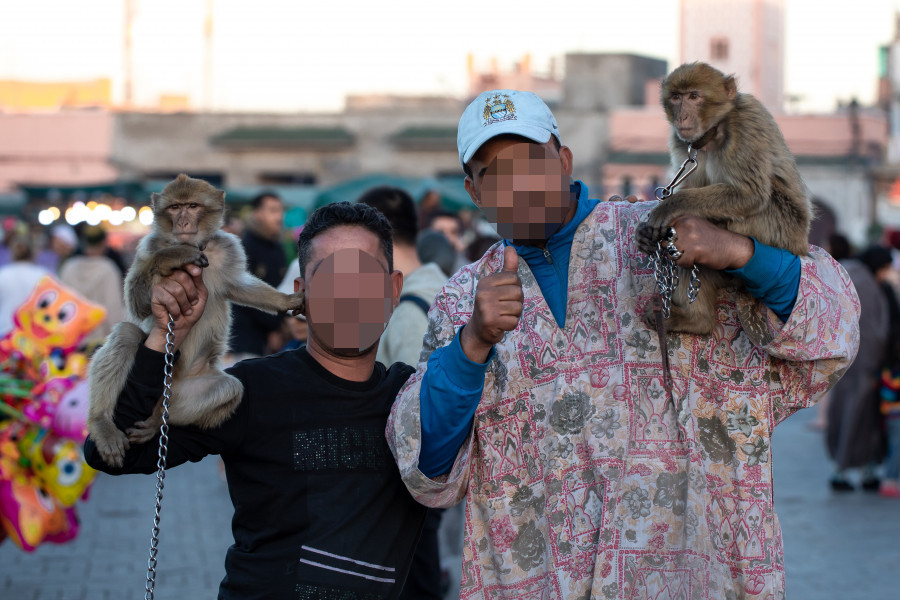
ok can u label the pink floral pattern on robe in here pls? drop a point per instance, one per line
(580, 479)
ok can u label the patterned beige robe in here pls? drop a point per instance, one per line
(580, 480)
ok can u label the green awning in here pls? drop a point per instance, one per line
(453, 193)
(426, 138)
(280, 137)
(130, 190)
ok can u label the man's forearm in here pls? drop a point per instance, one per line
(449, 395)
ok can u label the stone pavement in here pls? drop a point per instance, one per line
(108, 560)
(838, 547)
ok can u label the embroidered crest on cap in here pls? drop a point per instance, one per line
(498, 108)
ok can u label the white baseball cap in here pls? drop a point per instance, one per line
(64, 233)
(501, 112)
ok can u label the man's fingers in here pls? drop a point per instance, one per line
(176, 297)
(186, 282)
(510, 260)
(509, 308)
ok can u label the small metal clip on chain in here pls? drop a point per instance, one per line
(161, 461)
(663, 261)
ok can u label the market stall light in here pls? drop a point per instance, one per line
(55, 212)
(116, 218)
(93, 218)
(45, 217)
(77, 213)
(129, 214)
(102, 211)
(145, 216)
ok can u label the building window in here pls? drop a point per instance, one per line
(286, 178)
(718, 48)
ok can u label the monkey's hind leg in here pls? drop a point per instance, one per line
(108, 372)
(698, 317)
(203, 400)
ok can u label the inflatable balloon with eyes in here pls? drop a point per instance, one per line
(43, 409)
(48, 327)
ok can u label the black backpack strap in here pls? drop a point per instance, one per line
(417, 301)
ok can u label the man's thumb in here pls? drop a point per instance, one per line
(510, 259)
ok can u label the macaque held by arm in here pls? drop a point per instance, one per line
(188, 215)
(746, 179)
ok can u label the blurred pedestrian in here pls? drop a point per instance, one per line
(62, 244)
(18, 277)
(854, 435)
(450, 225)
(96, 277)
(890, 387)
(233, 224)
(402, 342)
(254, 332)
(478, 246)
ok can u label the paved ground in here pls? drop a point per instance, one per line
(837, 547)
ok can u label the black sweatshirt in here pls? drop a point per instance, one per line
(250, 327)
(320, 511)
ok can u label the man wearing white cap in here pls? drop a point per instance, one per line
(540, 395)
(62, 244)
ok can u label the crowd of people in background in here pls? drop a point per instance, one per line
(429, 246)
(861, 420)
(862, 412)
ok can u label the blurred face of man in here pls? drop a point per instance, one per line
(350, 294)
(270, 216)
(449, 226)
(522, 188)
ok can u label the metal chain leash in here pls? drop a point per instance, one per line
(161, 461)
(665, 272)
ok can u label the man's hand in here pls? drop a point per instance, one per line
(183, 295)
(703, 243)
(498, 306)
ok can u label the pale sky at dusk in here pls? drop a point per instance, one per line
(289, 55)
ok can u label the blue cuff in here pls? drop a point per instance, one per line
(448, 398)
(461, 372)
(773, 276)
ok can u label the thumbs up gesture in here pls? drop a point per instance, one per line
(498, 307)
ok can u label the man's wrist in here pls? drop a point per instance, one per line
(474, 349)
(742, 252)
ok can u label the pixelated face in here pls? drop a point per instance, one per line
(523, 189)
(349, 293)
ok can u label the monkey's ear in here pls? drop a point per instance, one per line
(220, 194)
(730, 87)
(154, 200)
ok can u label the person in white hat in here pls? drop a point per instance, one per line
(540, 395)
(62, 244)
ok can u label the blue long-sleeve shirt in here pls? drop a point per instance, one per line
(452, 385)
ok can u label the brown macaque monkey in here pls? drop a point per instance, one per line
(746, 180)
(188, 215)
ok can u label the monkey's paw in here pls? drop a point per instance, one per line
(202, 261)
(647, 237)
(112, 447)
(143, 431)
(296, 303)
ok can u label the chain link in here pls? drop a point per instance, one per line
(665, 271)
(161, 460)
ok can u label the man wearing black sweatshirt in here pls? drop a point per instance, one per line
(320, 510)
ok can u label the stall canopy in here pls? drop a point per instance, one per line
(451, 189)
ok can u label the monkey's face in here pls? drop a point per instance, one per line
(350, 294)
(685, 109)
(696, 98)
(185, 218)
(523, 188)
